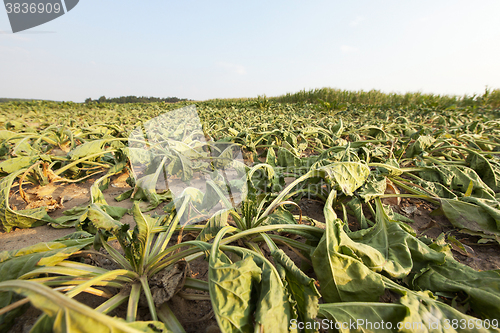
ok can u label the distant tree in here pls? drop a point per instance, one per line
(135, 99)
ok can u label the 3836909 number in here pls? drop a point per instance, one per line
(470, 324)
(32, 8)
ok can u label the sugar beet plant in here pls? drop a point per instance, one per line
(362, 262)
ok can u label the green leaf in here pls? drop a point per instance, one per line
(138, 156)
(357, 208)
(16, 163)
(6, 135)
(376, 132)
(142, 232)
(72, 316)
(482, 288)
(274, 310)
(104, 216)
(114, 211)
(361, 317)
(470, 217)
(458, 178)
(391, 249)
(263, 177)
(102, 183)
(213, 226)
(23, 147)
(349, 176)
(14, 264)
(101, 219)
(213, 194)
(300, 287)
(388, 169)
(145, 188)
(271, 158)
(437, 188)
(285, 158)
(424, 308)
(222, 160)
(342, 277)
(23, 218)
(86, 149)
(169, 319)
(76, 235)
(338, 129)
(374, 187)
(491, 207)
(281, 216)
(181, 166)
(125, 195)
(231, 288)
(420, 145)
(489, 172)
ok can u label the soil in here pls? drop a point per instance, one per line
(197, 315)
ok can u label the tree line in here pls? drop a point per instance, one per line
(135, 99)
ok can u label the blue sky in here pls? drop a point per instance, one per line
(220, 49)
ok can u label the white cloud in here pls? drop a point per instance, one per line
(348, 49)
(233, 68)
(357, 21)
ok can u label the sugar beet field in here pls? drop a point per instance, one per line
(320, 211)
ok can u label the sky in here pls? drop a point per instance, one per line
(228, 49)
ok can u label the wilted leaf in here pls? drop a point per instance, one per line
(23, 218)
(482, 288)
(342, 277)
(458, 178)
(300, 287)
(425, 312)
(373, 187)
(361, 316)
(86, 149)
(14, 264)
(489, 172)
(349, 176)
(17, 163)
(72, 316)
(390, 249)
(471, 217)
(230, 291)
(421, 144)
(213, 226)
